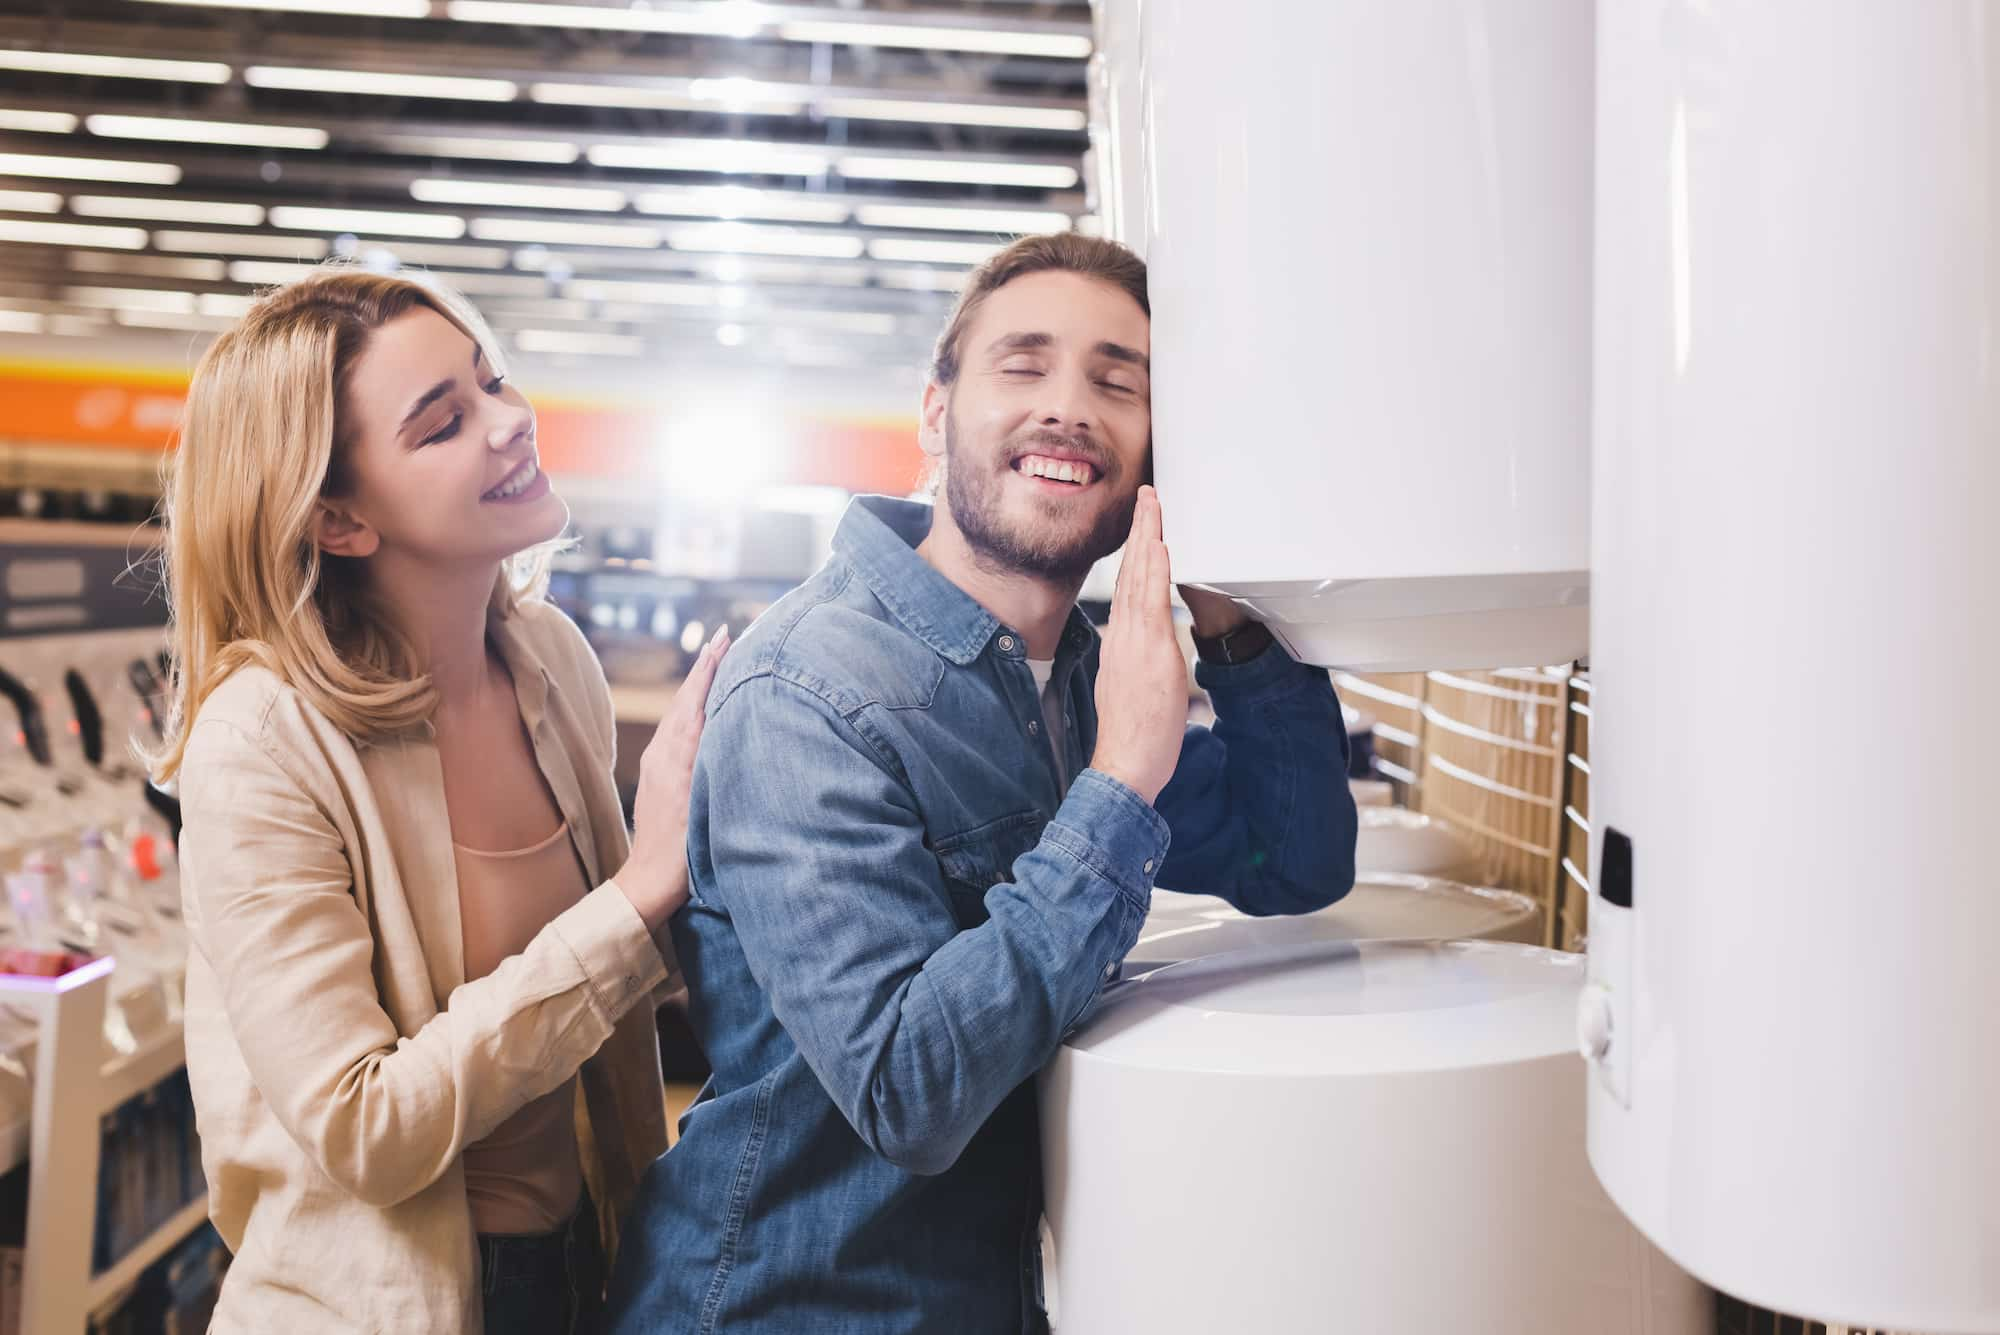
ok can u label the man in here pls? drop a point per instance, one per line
(919, 848)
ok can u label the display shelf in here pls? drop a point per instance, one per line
(114, 1283)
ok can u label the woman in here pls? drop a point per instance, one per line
(421, 1043)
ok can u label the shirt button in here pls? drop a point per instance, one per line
(1149, 866)
(1006, 644)
(1033, 727)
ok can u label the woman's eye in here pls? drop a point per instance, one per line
(445, 432)
(493, 387)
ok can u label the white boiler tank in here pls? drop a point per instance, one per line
(1379, 1137)
(1369, 239)
(1797, 465)
(1115, 133)
(1397, 840)
(1380, 907)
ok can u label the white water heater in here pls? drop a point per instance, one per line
(1381, 1137)
(1380, 907)
(1369, 233)
(1795, 1011)
(1117, 152)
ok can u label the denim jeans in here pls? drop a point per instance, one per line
(545, 1283)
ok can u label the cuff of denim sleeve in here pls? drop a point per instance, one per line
(1113, 832)
(1274, 669)
(611, 943)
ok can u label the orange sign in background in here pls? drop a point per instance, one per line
(117, 408)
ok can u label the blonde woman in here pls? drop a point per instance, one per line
(418, 1004)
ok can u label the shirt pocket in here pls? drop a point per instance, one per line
(982, 857)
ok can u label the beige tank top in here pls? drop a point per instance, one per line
(525, 1177)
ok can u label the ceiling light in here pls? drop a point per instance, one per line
(710, 20)
(20, 322)
(930, 252)
(661, 294)
(749, 239)
(90, 169)
(564, 341)
(30, 201)
(376, 9)
(37, 122)
(737, 156)
(1060, 46)
(954, 113)
(148, 266)
(225, 303)
(730, 335)
(114, 67)
(530, 230)
(166, 210)
(1012, 222)
(553, 151)
(457, 257)
(188, 320)
(1047, 176)
(517, 195)
(302, 248)
(495, 284)
(922, 280)
(206, 132)
(375, 83)
(733, 95)
(729, 269)
(375, 221)
(742, 201)
(130, 298)
(73, 234)
(266, 273)
(853, 322)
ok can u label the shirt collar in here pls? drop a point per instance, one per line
(532, 680)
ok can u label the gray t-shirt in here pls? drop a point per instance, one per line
(1052, 713)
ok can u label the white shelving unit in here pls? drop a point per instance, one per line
(73, 1087)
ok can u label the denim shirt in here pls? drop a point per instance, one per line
(898, 912)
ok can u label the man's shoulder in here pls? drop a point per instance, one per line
(832, 639)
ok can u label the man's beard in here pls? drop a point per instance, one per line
(975, 497)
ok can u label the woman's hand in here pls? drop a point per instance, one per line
(655, 877)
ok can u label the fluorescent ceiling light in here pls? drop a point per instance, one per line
(166, 210)
(922, 280)
(852, 322)
(954, 113)
(564, 341)
(86, 326)
(917, 251)
(114, 67)
(741, 156)
(495, 284)
(177, 130)
(457, 257)
(1013, 222)
(149, 266)
(266, 273)
(90, 169)
(553, 151)
(730, 335)
(1061, 46)
(188, 320)
(517, 195)
(73, 234)
(379, 84)
(377, 9)
(530, 230)
(30, 201)
(20, 322)
(37, 122)
(130, 298)
(660, 294)
(711, 20)
(225, 303)
(1048, 176)
(377, 221)
(749, 239)
(742, 201)
(303, 248)
(718, 95)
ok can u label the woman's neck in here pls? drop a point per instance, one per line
(443, 617)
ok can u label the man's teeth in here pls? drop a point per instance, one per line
(1058, 470)
(515, 486)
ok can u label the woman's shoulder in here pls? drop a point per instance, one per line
(254, 707)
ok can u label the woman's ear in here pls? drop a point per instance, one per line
(341, 532)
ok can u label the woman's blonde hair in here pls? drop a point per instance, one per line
(264, 438)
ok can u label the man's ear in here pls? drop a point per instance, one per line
(931, 433)
(340, 532)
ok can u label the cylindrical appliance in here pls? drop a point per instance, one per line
(1797, 457)
(1380, 907)
(1369, 239)
(1394, 840)
(1116, 145)
(1380, 1137)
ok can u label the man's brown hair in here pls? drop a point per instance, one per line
(1062, 252)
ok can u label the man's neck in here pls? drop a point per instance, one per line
(1038, 608)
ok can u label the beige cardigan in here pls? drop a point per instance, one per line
(340, 1061)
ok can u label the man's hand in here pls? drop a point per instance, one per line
(1214, 615)
(1142, 687)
